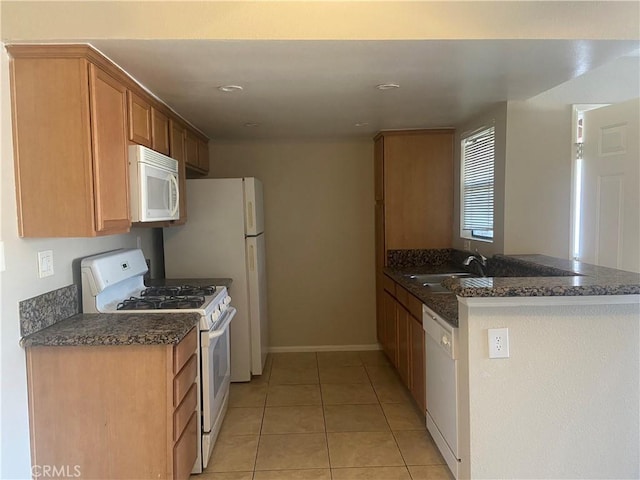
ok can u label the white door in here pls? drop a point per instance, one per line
(610, 213)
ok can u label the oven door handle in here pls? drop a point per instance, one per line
(228, 316)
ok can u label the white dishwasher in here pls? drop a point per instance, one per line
(441, 345)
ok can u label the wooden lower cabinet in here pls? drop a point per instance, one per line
(402, 337)
(418, 379)
(126, 411)
(390, 328)
(404, 346)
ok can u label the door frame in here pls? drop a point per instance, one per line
(577, 111)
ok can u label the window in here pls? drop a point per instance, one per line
(478, 152)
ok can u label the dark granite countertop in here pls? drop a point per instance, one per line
(444, 304)
(520, 276)
(96, 329)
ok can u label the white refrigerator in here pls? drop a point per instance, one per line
(224, 237)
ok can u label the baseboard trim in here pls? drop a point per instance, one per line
(325, 348)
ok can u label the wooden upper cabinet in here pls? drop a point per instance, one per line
(159, 131)
(70, 143)
(203, 156)
(139, 120)
(109, 143)
(191, 150)
(197, 152)
(74, 113)
(417, 181)
(177, 137)
(379, 168)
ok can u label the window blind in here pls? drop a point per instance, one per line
(478, 181)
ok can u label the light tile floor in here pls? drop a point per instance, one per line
(324, 416)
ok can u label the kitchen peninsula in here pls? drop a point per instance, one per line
(566, 401)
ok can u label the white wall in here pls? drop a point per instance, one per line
(537, 195)
(19, 282)
(565, 404)
(319, 226)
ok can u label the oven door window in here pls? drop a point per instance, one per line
(215, 375)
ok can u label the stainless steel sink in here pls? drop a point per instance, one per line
(433, 281)
(438, 277)
(436, 288)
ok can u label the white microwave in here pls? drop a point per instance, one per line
(153, 183)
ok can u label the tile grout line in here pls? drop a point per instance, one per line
(323, 405)
(395, 440)
(324, 419)
(264, 411)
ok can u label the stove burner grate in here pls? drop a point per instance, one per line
(180, 290)
(182, 302)
(159, 302)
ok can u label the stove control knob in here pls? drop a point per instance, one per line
(227, 300)
(215, 315)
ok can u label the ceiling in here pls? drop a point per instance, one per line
(321, 89)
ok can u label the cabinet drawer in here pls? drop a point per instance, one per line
(184, 452)
(415, 307)
(184, 379)
(183, 413)
(389, 285)
(183, 351)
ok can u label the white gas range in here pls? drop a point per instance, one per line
(113, 282)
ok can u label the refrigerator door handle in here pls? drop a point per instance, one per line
(250, 214)
(251, 259)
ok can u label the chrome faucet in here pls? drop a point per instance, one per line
(480, 259)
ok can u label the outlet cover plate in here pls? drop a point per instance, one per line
(498, 342)
(45, 263)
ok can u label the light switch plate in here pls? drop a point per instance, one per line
(45, 263)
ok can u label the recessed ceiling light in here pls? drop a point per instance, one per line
(387, 86)
(361, 124)
(230, 88)
(251, 124)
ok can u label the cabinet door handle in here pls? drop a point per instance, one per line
(251, 260)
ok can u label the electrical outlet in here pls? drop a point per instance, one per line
(467, 245)
(498, 342)
(45, 263)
